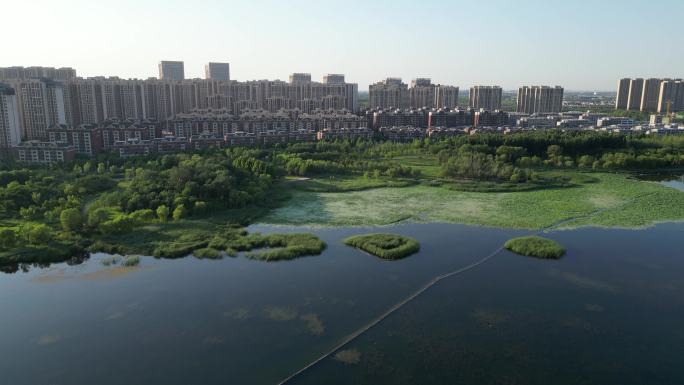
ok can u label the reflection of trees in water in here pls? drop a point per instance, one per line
(26, 267)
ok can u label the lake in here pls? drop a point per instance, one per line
(610, 312)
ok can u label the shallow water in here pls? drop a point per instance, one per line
(610, 312)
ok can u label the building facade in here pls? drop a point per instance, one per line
(217, 71)
(485, 97)
(10, 126)
(41, 103)
(540, 99)
(171, 70)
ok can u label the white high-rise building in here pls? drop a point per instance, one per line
(41, 104)
(486, 97)
(540, 99)
(10, 125)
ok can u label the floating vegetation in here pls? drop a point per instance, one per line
(537, 247)
(313, 323)
(280, 313)
(349, 357)
(207, 253)
(113, 260)
(239, 314)
(285, 246)
(131, 261)
(385, 246)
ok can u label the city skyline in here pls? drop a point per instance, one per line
(467, 44)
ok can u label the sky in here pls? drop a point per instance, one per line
(579, 44)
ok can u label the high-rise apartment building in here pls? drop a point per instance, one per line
(622, 97)
(84, 101)
(171, 70)
(446, 96)
(671, 96)
(540, 99)
(64, 73)
(10, 125)
(485, 97)
(300, 78)
(649, 95)
(636, 87)
(41, 103)
(391, 92)
(652, 95)
(217, 71)
(333, 79)
(422, 93)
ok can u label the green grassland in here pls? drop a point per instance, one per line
(592, 199)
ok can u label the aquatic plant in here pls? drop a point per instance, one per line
(284, 246)
(386, 246)
(207, 253)
(131, 261)
(537, 247)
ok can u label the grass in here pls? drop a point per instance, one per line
(204, 239)
(346, 184)
(131, 261)
(385, 246)
(207, 253)
(624, 202)
(537, 247)
(286, 246)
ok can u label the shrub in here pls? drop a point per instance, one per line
(71, 219)
(8, 238)
(179, 212)
(163, 213)
(385, 246)
(537, 247)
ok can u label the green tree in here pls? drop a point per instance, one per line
(179, 212)
(554, 151)
(8, 238)
(97, 216)
(87, 166)
(163, 213)
(200, 208)
(35, 233)
(101, 168)
(71, 219)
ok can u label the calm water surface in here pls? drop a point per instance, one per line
(610, 312)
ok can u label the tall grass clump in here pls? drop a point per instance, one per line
(537, 247)
(285, 246)
(385, 246)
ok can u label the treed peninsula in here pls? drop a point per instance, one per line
(200, 204)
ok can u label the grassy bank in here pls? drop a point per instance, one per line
(624, 203)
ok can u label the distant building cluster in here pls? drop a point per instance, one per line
(650, 95)
(393, 93)
(51, 115)
(46, 96)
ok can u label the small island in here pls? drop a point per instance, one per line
(385, 246)
(537, 247)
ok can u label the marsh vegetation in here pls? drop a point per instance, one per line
(537, 247)
(385, 246)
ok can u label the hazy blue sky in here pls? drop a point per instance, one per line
(579, 44)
